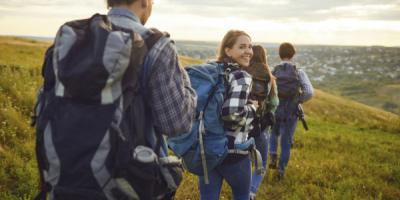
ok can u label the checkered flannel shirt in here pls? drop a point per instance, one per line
(172, 99)
(237, 112)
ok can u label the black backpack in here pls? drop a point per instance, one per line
(93, 125)
(289, 90)
(261, 79)
(287, 80)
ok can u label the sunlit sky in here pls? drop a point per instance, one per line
(337, 22)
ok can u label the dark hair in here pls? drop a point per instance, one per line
(228, 41)
(112, 3)
(260, 56)
(286, 50)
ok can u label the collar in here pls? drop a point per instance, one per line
(286, 61)
(124, 12)
(232, 66)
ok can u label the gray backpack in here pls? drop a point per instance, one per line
(94, 135)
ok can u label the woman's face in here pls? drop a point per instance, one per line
(241, 52)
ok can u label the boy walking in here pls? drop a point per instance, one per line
(294, 88)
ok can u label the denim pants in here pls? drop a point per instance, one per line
(237, 175)
(262, 147)
(284, 130)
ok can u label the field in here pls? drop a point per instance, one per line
(351, 151)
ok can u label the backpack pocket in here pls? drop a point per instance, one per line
(138, 179)
(216, 149)
(148, 177)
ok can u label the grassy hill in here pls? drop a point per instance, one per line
(350, 152)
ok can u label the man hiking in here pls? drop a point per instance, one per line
(294, 88)
(113, 89)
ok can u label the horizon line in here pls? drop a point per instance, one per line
(44, 38)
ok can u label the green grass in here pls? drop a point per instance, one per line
(331, 161)
(335, 109)
(351, 151)
(382, 94)
(20, 62)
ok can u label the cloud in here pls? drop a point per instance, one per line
(27, 3)
(300, 21)
(42, 9)
(286, 10)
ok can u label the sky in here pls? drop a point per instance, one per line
(333, 22)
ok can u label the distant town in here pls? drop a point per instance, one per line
(370, 75)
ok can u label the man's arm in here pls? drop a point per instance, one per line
(172, 99)
(306, 87)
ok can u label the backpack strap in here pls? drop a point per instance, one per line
(228, 69)
(155, 36)
(246, 148)
(298, 82)
(215, 87)
(201, 121)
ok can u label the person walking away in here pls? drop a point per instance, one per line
(112, 90)
(264, 91)
(294, 88)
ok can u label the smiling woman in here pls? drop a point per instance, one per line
(236, 46)
(237, 113)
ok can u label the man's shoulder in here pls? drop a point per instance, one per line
(301, 71)
(165, 46)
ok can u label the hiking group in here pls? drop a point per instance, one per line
(115, 99)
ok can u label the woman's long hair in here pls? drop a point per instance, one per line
(260, 57)
(227, 42)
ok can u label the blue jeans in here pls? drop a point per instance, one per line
(284, 130)
(262, 147)
(237, 175)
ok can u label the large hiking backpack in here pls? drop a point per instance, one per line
(93, 125)
(206, 145)
(287, 80)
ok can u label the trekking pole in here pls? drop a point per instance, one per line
(301, 116)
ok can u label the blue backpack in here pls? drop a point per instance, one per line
(94, 135)
(206, 145)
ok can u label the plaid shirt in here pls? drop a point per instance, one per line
(237, 112)
(170, 95)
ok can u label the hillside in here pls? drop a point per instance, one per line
(350, 152)
(370, 75)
